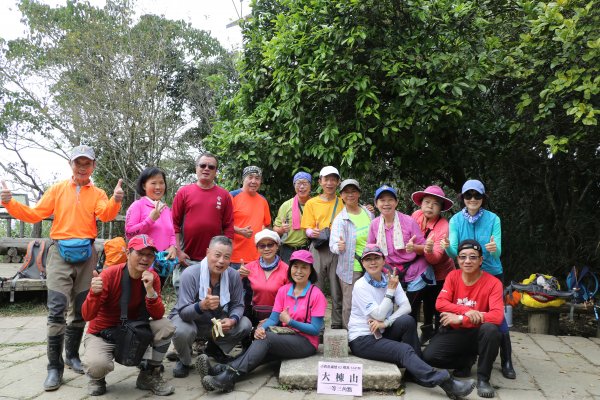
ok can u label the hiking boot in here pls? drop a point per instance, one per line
(485, 389)
(508, 370)
(455, 389)
(198, 346)
(204, 367)
(56, 364)
(224, 382)
(151, 378)
(427, 333)
(96, 387)
(214, 351)
(181, 370)
(465, 372)
(172, 356)
(73, 337)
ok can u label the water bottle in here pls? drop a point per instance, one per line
(508, 315)
(285, 235)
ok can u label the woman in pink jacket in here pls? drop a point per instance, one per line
(149, 215)
(432, 202)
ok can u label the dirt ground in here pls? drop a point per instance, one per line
(584, 325)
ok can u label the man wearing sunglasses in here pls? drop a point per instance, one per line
(201, 211)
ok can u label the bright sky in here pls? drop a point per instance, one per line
(209, 15)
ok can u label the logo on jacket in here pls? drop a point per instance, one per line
(466, 302)
(218, 202)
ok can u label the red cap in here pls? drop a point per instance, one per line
(141, 242)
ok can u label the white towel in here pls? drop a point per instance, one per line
(397, 232)
(224, 296)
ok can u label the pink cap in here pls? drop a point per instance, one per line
(302, 255)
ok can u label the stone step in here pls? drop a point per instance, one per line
(302, 373)
(335, 343)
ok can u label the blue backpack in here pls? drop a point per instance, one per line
(584, 284)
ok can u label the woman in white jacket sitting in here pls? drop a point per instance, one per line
(377, 332)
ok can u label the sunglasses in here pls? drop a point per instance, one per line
(209, 166)
(263, 246)
(472, 195)
(471, 258)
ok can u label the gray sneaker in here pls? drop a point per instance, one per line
(96, 387)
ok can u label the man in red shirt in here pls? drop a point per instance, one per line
(102, 309)
(201, 211)
(472, 309)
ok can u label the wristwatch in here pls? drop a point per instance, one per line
(389, 296)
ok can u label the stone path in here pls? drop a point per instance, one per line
(548, 367)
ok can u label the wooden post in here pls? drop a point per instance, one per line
(539, 322)
(9, 227)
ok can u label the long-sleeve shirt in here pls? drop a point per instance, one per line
(138, 221)
(103, 310)
(189, 297)
(482, 230)
(485, 296)
(438, 259)
(200, 214)
(265, 289)
(397, 258)
(344, 227)
(75, 210)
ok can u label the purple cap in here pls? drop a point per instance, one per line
(302, 255)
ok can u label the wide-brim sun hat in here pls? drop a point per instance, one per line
(433, 190)
(266, 234)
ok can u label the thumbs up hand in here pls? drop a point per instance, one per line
(341, 244)
(96, 286)
(491, 247)
(210, 302)
(5, 194)
(429, 243)
(410, 246)
(444, 243)
(244, 272)
(119, 193)
(285, 317)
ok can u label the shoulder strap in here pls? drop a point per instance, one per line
(337, 199)
(308, 302)
(125, 293)
(40, 261)
(29, 254)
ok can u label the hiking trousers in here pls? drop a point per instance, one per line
(325, 263)
(457, 348)
(68, 286)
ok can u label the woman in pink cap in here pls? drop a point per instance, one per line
(434, 226)
(292, 330)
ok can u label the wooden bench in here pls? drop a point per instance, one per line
(546, 320)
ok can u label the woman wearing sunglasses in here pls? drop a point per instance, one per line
(475, 222)
(266, 275)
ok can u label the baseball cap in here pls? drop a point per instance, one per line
(473, 184)
(347, 182)
(83, 151)
(302, 255)
(371, 249)
(470, 244)
(329, 170)
(140, 242)
(385, 188)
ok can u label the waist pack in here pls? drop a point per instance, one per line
(75, 251)
(323, 238)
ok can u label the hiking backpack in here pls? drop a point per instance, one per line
(34, 265)
(584, 284)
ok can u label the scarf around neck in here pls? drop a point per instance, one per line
(268, 267)
(397, 234)
(377, 284)
(472, 218)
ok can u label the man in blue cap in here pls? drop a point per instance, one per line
(288, 220)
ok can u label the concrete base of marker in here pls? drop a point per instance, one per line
(335, 343)
(302, 373)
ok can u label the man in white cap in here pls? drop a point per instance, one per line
(75, 204)
(319, 213)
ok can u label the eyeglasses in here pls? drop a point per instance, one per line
(472, 195)
(209, 166)
(471, 258)
(300, 183)
(263, 246)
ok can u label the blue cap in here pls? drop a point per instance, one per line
(473, 184)
(385, 188)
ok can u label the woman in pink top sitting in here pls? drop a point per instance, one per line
(432, 202)
(266, 276)
(149, 215)
(299, 307)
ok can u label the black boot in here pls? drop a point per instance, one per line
(224, 382)
(204, 367)
(427, 333)
(72, 341)
(214, 351)
(485, 389)
(455, 389)
(56, 364)
(508, 370)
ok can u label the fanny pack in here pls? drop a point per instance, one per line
(75, 251)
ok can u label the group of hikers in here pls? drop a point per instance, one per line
(240, 283)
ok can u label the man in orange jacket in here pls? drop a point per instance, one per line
(75, 204)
